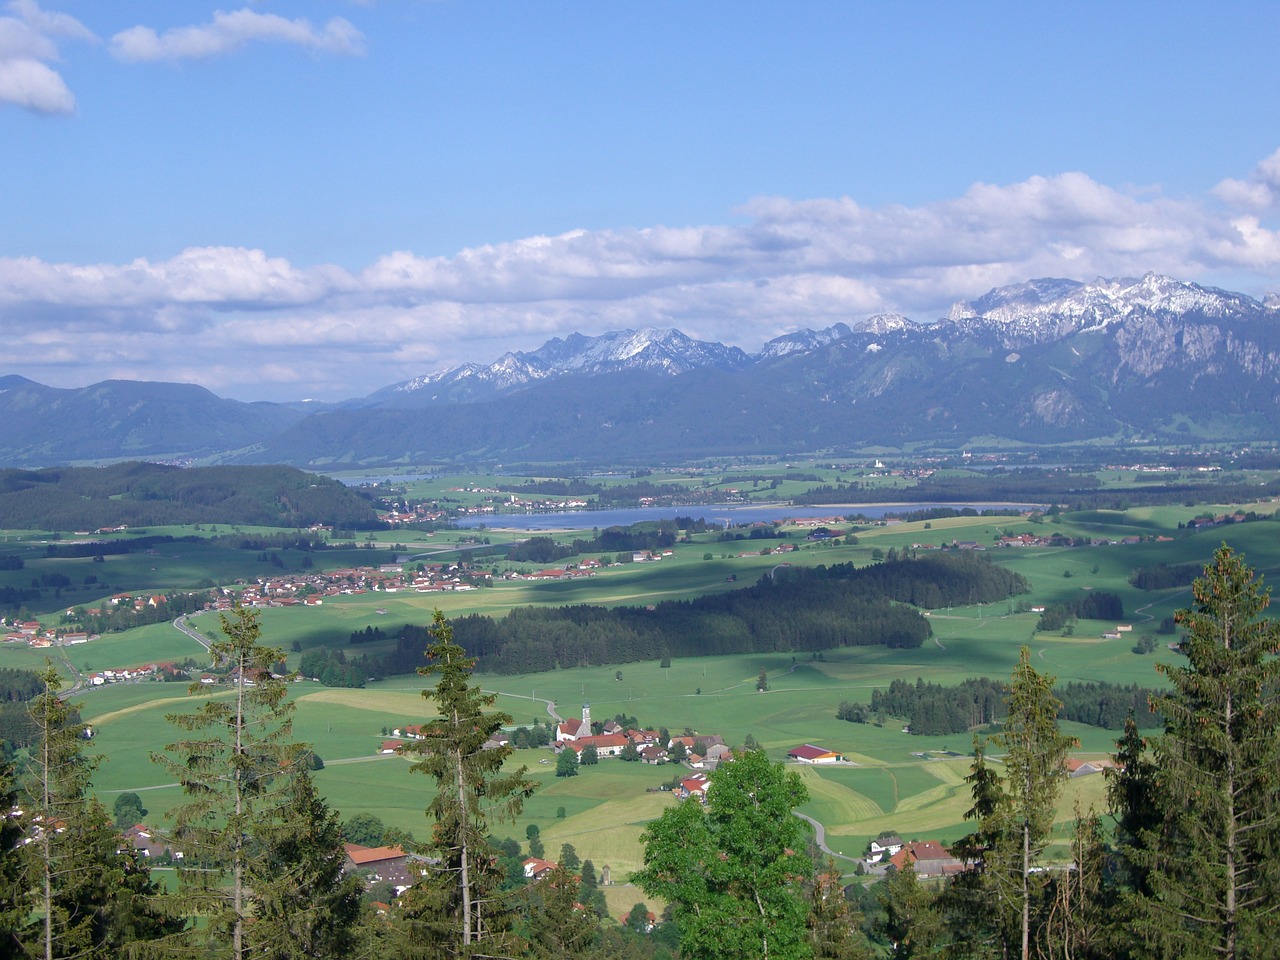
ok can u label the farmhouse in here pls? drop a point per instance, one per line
(379, 864)
(928, 858)
(808, 753)
(536, 868)
(607, 745)
(886, 846)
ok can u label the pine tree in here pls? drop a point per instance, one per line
(14, 893)
(1213, 860)
(1076, 917)
(90, 898)
(236, 768)
(556, 926)
(976, 924)
(912, 923)
(835, 927)
(456, 906)
(1015, 813)
(309, 909)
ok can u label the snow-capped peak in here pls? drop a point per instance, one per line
(1051, 307)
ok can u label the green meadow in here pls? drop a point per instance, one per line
(895, 781)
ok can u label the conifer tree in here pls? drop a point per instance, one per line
(1213, 860)
(556, 926)
(14, 899)
(456, 908)
(1015, 816)
(970, 904)
(238, 768)
(90, 899)
(835, 927)
(912, 923)
(309, 909)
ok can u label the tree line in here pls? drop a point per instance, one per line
(1095, 605)
(791, 609)
(932, 709)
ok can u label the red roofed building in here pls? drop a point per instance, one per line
(607, 745)
(928, 858)
(808, 753)
(536, 868)
(694, 786)
(378, 864)
(572, 729)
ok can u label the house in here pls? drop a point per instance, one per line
(144, 840)
(650, 921)
(808, 753)
(887, 846)
(653, 754)
(391, 746)
(536, 868)
(694, 786)
(1083, 768)
(606, 745)
(379, 864)
(928, 858)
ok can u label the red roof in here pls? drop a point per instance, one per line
(809, 752)
(364, 855)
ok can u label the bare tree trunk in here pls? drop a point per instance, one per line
(237, 887)
(1026, 891)
(46, 831)
(465, 877)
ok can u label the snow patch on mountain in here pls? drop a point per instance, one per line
(1048, 309)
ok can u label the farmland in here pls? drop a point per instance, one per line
(895, 781)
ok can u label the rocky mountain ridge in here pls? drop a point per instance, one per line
(1040, 362)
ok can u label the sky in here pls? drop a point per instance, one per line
(315, 199)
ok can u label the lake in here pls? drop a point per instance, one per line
(732, 514)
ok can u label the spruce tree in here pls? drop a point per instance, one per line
(1213, 860)
(835, 927)
(456, 908)
(14, 892)
(1002, 897)
(911, 922)
(309, 909)
(555, 925)
(239, 769)
(91, 899)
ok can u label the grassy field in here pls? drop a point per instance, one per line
(900, 782)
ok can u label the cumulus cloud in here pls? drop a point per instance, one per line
(329, 332)
(1259, 191)
(229, 32)
(27, 45)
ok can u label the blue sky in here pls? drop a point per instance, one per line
(316, 199)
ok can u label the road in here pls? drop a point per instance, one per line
(820, 836)
(181, 624)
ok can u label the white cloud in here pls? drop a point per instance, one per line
(228, 32)
(1259, 192)
(325, 331)
(26, 48)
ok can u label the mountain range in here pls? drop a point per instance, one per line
(1041, 362)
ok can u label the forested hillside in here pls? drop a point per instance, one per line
(147, 494)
